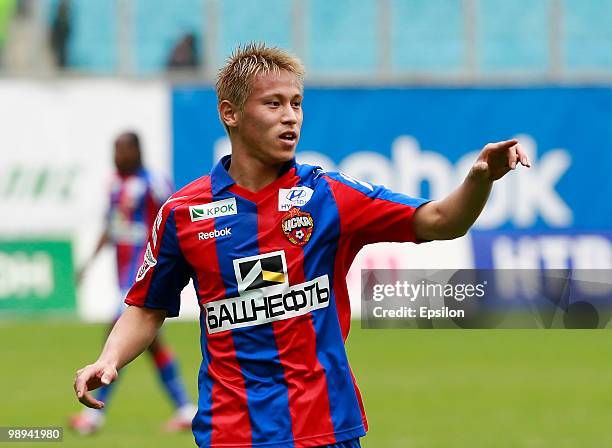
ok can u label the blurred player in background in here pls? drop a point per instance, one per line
(135, 197)
(268, 243)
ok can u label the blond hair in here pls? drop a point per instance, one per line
(234, 80)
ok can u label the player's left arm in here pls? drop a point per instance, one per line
(453, 216)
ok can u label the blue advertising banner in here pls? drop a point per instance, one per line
(422, 141)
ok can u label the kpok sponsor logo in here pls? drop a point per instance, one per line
(263, 306)
(227, 231)
(215, 209)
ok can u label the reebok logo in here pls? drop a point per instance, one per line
(215, 234)
(215, 209)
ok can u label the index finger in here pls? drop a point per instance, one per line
(82, 391)
(502, 146)
(88, 400)
(80, 383)
(523, 156)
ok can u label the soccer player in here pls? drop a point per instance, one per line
(136, 195)
(268, 242)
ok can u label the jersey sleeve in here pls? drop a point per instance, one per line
(164, 271)
(372, 213)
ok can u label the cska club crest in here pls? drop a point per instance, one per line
(297, 226)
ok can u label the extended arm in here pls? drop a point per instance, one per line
(131, 335)
(452, 216)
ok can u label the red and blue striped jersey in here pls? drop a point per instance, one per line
(134, 201)
(269, 269)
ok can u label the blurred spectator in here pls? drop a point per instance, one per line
(136, 195)
(184, 54)
(60, 33)
(7, 7)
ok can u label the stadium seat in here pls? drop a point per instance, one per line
(513, 36)
(427, 36)
(342, 36)
(93, 43)
(247, 20)
(588, 34)
(159, 25)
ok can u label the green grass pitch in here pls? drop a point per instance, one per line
(422, 388)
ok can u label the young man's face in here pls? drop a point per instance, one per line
(270, 121)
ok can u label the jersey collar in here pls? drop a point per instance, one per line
(220, 179)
